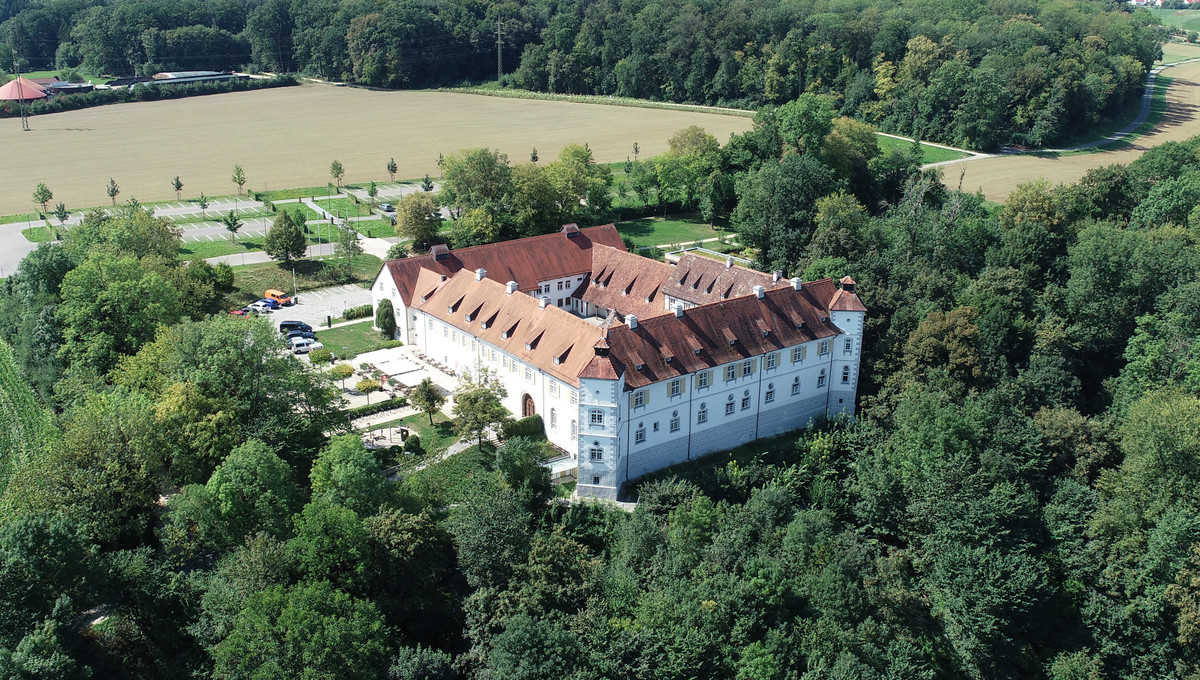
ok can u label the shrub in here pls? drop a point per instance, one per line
(413, 445)
(359, 312)
(85, 100)
(377, 407)
(530, 427)
(224, 278)
(385, 318)
(320, 356)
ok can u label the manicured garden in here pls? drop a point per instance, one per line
(660, 231)
(353, 339)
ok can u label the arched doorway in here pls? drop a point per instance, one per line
(527, 408)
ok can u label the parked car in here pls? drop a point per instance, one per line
(288, 326)
(387, 207)
(260, 307)
(292, 335)
(303, 345)
(239, 312)
(273, 304)
(278, 296)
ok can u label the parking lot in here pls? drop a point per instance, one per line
(314, 306)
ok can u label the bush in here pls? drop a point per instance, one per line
(224, 278)
(531, 427)
(359, 312)
(413, 445)
(385, 318)
(85, 100)
(320, 356)
(377, 407)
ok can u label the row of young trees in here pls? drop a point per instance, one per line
(973, 75)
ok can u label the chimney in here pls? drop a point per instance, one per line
(631, 319)
(729, 263)
(760, 292)
(512, 287)
(542, 302)
(678, 310)
(776, 275)
(480, 274)
(797, 284)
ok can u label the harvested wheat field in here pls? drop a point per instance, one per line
(998, 176)
(287, 137)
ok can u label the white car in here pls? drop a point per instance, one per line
(303, 345)
(260, 307)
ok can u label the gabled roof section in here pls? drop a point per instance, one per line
(632, 284)
(549, 332)
(710, 329)
(526, 261)
(700, 280)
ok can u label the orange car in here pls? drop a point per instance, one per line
(278, 296)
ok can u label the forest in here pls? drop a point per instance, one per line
(1019, 496)
(975, 75)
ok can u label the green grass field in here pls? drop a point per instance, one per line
(347, 342)
(346, 207)
(1186, 19)
(930, 154)
(659, 231)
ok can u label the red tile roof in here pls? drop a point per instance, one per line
(526, 261)
(700, 280)
(556, 341)
(721, 332)
(845, 299)
(626, 282)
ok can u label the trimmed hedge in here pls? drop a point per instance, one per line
(530, 426)
(359, 312)
(84, 100)
(377, 407)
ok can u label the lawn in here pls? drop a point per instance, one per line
(309, 192)
(347, 342)
(660, 231)
(1186, 19)
(930, 154)
(380, 228)
(434, 438)
(251, 280)
(344, 207)
(27, 217)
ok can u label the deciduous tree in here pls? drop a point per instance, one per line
(239, 178)
(285, 239)
(427, 398)
(337, 172)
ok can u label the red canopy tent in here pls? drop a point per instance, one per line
(21, 89)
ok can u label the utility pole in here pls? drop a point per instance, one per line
(499, 53)
(20, 90)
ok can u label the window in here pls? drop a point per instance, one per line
(454, 337)
(639, 435)
(656, 426)
(574, 429)
(553, 419)
(745, 402)
(596, 454)
(771, 360)
(848, 346)
(702, 379)
(554, 388)
(821, 379)
(795, 386)
(528, 374)
(799, 353)
(770, 395)
(729, 409)
(823, 347)
(560, 285)
(512, 366)
(675, 421)
(702, 414)
(464, 339)
(574, 398)
(596, 417)
(639, 398)
(747, 368)
(595, 481)
(445, 332)
(493, 356)
(431, 323)
(845, 375)
(675, 387)
(730, 372)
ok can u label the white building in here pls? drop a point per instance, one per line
(633, 364)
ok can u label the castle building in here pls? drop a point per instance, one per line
(633, 364)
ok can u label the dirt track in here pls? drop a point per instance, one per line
(997, 177)
(286, 138)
